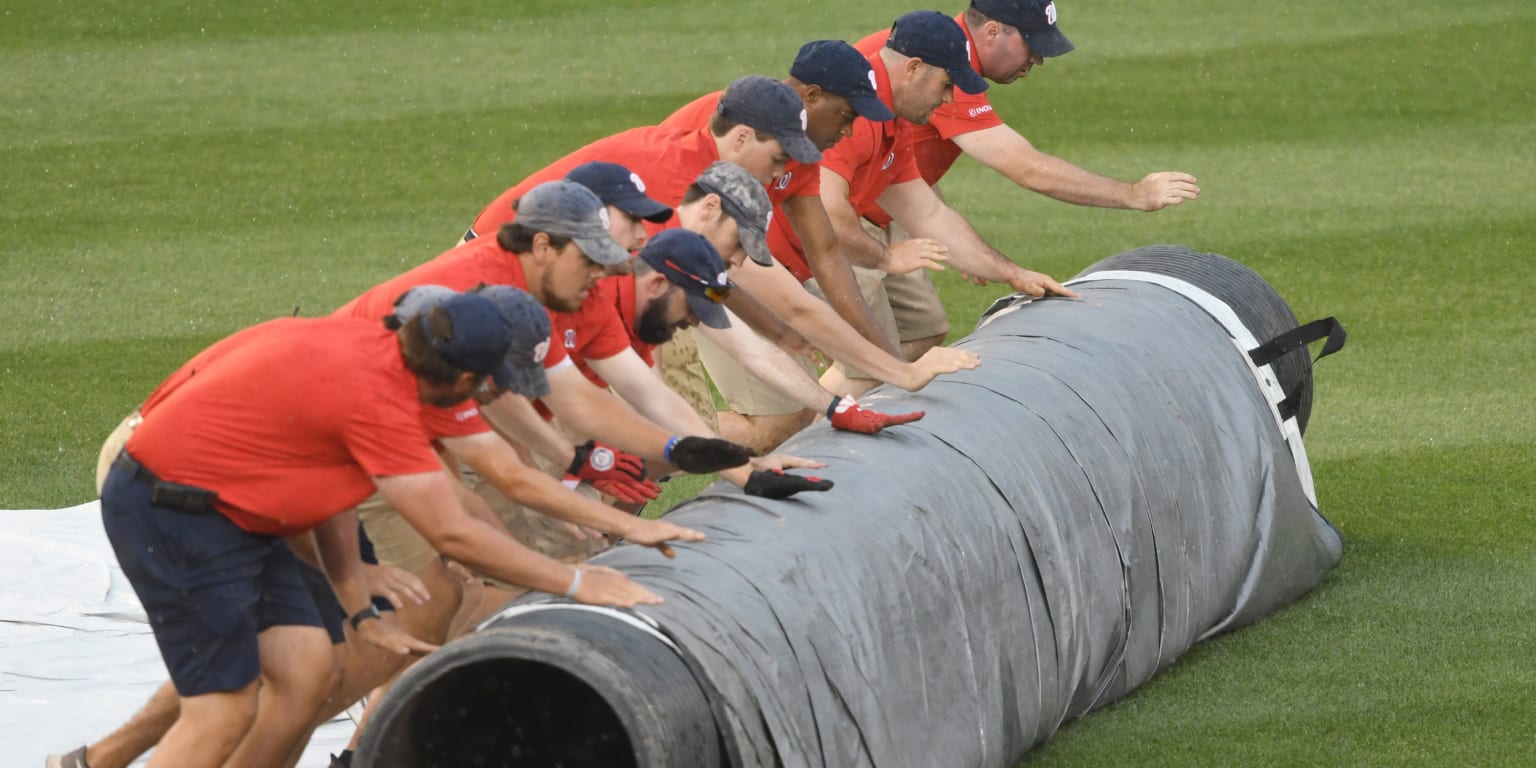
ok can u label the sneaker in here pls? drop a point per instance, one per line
(72, 759)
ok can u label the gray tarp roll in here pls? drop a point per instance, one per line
(1109, 487)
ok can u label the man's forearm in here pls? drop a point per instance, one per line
(337, 545)
(515, 417)
(832, 270)
(771, 364)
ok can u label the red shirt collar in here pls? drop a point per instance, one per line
(975, 51)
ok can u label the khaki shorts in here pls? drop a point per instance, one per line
(743, 391)
(113, 446)
(913, 299)
(395, 541)
(678, 362)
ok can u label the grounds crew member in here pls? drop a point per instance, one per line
(1007, 39)
(922, 64)
(366, 668)
(556, 252)
(274, 431)
(836, 85)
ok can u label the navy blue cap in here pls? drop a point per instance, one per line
(688, 260)
(1035, 20)
(621, 188)
(937, 40)
(841, 70)
(526, 319)
(767, 105)
(481, 335)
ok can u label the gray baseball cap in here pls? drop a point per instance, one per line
(571, 210)
(744, 199)
(522, 369)
(770, 106)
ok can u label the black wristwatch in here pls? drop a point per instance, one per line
(371, 612)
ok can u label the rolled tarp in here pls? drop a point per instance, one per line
(1120, 479)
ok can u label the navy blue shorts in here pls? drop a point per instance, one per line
(208, 586)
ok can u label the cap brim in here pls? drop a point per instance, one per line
(643, 207)
(710, 313)
(870, 106)
(800, 148)
(527, 380)
(756, 244)
(967, 79)
(602, 250)
(1048, 42)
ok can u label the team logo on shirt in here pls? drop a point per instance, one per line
(570, 339)
(891, 158)
(540, 351)
(782, 182)
(980, 110)
(1050, 13)
(466, 414)
(635, 179)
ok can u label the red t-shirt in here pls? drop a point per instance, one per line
(933, 144)
(479, 262)
(602, 328)
(288, 421)
(798, 179)
(666, 159)
(876, 156)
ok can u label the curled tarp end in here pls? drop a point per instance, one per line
(1112, 485)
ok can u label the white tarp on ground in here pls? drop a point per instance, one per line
(76, 654)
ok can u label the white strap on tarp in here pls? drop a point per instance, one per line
(1243, 340)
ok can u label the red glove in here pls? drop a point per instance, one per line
(614, 472)
(845, 414)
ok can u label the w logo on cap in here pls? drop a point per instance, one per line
(1050, 13)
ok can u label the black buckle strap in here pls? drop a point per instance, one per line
(182, 498)
(1297, 338)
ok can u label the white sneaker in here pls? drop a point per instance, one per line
(74, 758)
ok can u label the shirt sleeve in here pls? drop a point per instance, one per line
(968, 112)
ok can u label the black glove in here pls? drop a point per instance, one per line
(774, 484)
(702, 455)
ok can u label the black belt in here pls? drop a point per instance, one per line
(182, 498)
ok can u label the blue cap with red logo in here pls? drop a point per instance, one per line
(688, 260)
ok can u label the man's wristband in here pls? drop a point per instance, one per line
(831, 409)
(666, 453)
(575, 584)
(371, 612)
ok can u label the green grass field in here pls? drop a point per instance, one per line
(170, 174)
